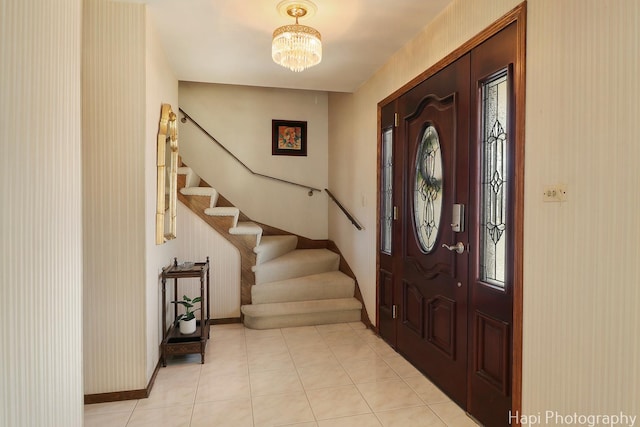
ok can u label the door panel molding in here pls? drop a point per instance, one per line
(386, 289)
(441, 325)
(439, 103)
(413, 303)
(430, 273)
(492, 345)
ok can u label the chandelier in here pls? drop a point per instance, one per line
(296, 46)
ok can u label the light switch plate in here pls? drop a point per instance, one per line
(555, 193)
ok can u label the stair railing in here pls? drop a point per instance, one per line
(186, 117)
(344, 210)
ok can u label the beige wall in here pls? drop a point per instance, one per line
(161, 88)
(113, 159)
(581, 290)
(240, 118)
(581, 320)
(40, 214)
(126, 78)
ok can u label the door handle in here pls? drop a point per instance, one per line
(458, 247)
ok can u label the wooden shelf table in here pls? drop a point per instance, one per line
(173, 342)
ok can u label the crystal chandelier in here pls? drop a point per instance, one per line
(296, 46)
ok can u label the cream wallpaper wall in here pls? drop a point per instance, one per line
(581, 286)
(161, 87)
(40, 213)
(114, 188)
(581, 278)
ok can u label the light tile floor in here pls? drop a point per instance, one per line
(314, 376)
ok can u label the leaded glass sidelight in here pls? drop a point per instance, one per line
(427, 193)
(386, 208)
(493, 211)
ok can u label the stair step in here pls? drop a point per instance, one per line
(297, 263)
(247, 228)
(202, 191)
(224, 211)
(191, 179)
(274, 246)
(301, 313)
(329, 285)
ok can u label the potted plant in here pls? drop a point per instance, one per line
(187, 319)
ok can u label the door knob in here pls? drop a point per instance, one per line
(458, 247)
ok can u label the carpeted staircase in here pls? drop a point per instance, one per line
(292, 286)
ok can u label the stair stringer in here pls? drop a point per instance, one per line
(244, 244)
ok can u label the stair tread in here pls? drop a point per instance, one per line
(246, 228)
(301, 255)
(297, 307)
(331, 284)
(297, 263)
(202, 191)
(271, 247)
(192, 179)
(222, 211)
(333, 276)
(198, 191)
(269, 241)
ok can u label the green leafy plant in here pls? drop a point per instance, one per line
(188, 305)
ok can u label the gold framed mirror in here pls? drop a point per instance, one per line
(167, 196)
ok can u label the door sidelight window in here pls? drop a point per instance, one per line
(494, 185)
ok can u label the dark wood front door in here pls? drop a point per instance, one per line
(432, 287)
(450, 258)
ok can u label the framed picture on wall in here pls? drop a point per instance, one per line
(288, 138)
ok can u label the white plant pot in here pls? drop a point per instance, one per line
(188, 326)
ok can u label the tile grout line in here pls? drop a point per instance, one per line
(359, 391)
(295, 366)
(351, 377)
(195, 396)
(424, 403)
(246, 346)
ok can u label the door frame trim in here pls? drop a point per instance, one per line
(518, 15)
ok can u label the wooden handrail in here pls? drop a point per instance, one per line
(342, 208)
(188, 117)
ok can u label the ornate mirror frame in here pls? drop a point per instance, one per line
(167, 194)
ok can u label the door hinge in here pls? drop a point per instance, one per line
(395, 119)
(394, 311)
(395, 213)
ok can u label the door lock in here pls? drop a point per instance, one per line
(457, 218)
(458, 247)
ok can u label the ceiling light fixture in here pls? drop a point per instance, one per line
(296, 46)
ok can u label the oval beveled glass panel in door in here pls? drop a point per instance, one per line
(427, 193)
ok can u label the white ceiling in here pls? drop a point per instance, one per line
(229, 41)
